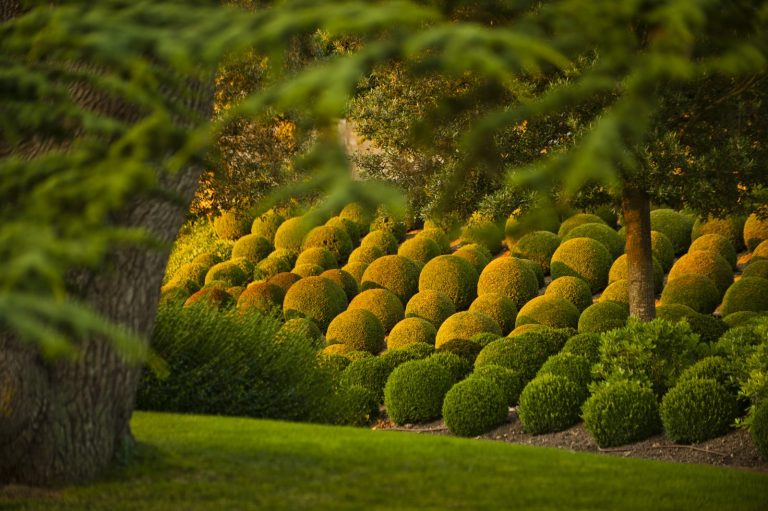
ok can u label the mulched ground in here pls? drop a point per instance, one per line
(734, 449)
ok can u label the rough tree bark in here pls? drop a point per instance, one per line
(635, 206)
(66, 421)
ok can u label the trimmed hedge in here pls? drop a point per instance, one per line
(354, 405)
(474, 407)
(747, 294)
(483, 232)
(315, 298)
(551, 311)
(213, 297)
(598, 232)
(409, 331)
(696, 410)
(499, 308)
(271, 266)
(524, 354)
(620, 412)
(288, 256)
(538, 246)
(574, 367)
(739, 318)
(253, 247)
(587, 345)
(619, 271)
(458, 367)
(358, 213)
(466, 349)
(713, 367)
(229, 272)
(662, 249)
(419, 249)
(602, 317)
(453, 276)
(509, 277)
(464, 325)
(370, 373)
(537, 272)
(284, 280)
(383, 304)
(696, 291)
(573, 289)
(704, 263)
(755, 231)
(431, 305)
(291, 233)
(676, 226)
(356, 270)
(346, 225)
(717, 244)
(383, 240)
(731, 228)
(415, 390)
(584, 258)
(550, 403)
(395, 273)
(475, 257)
(308, 270)
(305, 328)
(756, 268)
(576, 220)
(345, 280)
(333, 239)
(524, 329)
(708, 327)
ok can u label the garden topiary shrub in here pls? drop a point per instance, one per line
(464, 325)
(308, 270)
(385, 221)
(708, 327)
(383, 304)
(696, 410)
(598, 232)
(305, 328)
(315, 298)
(549, 310)
(712, 367)
(346, 281)
(621, 411)
(229, 272)
(370, 373)
(291, 233)
(759, 428)
(383, 240)
(747, 294)
(453, 276)
(693, 290)
(289, 256)
(716, 244)
(474, 407)
(358, 328)
(573, 289)
(267, 224)
(538, 246)
(704, 263)
(284, 280)
(574, 367)
(507, 380)
(584, 258)
(271, 266)
(431, 305)
(318, 256)
(602, 317)
(755, 231)
(467, 349)
(356, 270)
(731, 228)
(619, 271)
(173, 294)
(760, 251)
(524, 354)
(516, 227)
(358, 213)
(485, 338)
(354, 405)
(208, 259)
(396, 273)
(365, 255)
(616, 292)
(586, 345)
(509, 277)
(333, 239)
(576, 220)
(262, 297)
(536, 270)
(756, 268)
(253, 247)
(194, 272)
(213, 297)
(675, 226)
(739, 318)
(550, 403)
(498, 307)
(231, 225)
(662, 250)
(458, 367)
(439, 237)
(419, 249)
(409, 331)
(483, 231)
(415, 390)
(524, 329)
(347, 226)
(474, 256)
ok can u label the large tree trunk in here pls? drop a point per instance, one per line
(635, 207)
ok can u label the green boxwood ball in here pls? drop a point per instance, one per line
(383, 304)
(731, 228)
(483, 232)
(524, 329)
(475, 257)
(173, 294)
(717, 244)
(395, 273)
(346, 281)
(464, 325)
(603, 316)
(358, 213)
(598, 232)
(315, 298)
(271, 266)
(284, 280)
(419, 249)
(318, 256)
(458, 367)
(620, 412)
(409, 331)
(550, 403)
(619, 271)
(696, 291)
(193, 272)
(261, 297)
(573, 289)
(662, 250)
(253, 247)
(617, 291)
(231, 225)
(346, 225)
(755, 231)
(704, 263)
(587, 345)
(748, 294)
(354, 405)
(474, 407)
(431, 305)
(415, 390)
(538, 246)
(676, 226)
(370, 373)
(419, 350)
(439, 237)
(305, 328)
(576, 368)
(383, 240)
(584, 258)
(228, 271)
(214, 297)
(760, 251)
(536, 270)
(756, 268)
(507, 380)
(289, 256)
(267, 224)
(384, 221)
(524, 354)
(509, 277)
(463, 348)
(759, 427)
(576, 220)
(549, 310)
(357, 328)
(714, 367)
(708, 327)
(333, 239)
(308, 270)
(291, 233)
(739, 318)
(498, 307)
(356, 270)
(453, 276)
(485, 338)
(365, 255)
(696, 410)
(207, 259)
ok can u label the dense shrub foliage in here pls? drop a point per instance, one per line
(383, 304)
(621, 411)
(334, 239)
(370, 373)
(458, 367)
(509, 277)
(598, 232)
(618, 271)
(395, 273)
(675, 226)
(717, 244)
(231, 225)
(696, 291)
(365, 254)
(431, 305)
(662, 249)
(465, 325)
(748, 294)
(587, 345)
(415, 390)
(291, 233)
(755, 231)
(577, 220)
(704, 263)
(506, 379)
(550, 403)
(549, 310)
(731, 228)
(574, 367)
(474, 407)
(357, 328)
(383, 240)
(474, 256)
(453, 276)
(318, 256)
(409, 331)
(584, 258)
(538, 246)
(316, 298)
(573, 289)
(602, 317)
(697, 409)
(499, 308)
(419, 249)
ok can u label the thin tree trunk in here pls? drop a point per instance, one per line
(635, 207)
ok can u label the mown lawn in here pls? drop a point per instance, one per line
(214, 463)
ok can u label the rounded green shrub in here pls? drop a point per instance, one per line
(315, 298)
(357, 328)
(747, 294)
(598, 232)
(235, 292)
(419, 249)
(620, 412)
(173, 294)
(267, 224)
(759, 429)
(586, 345)
(524, 354)
(228, 271)
(755, 231)
(467, 349)
(717, 244)
(415, 390)
(662, 249)
(383, 240)
(574, 367)
(584, 258)
(619, 271)
(358, 213)
(696, 410)
(474, 256)
(524, 329)
(271, 266)
(439, 237)
(289, 256)
(354, 405)
(231, 225)
(193, 272)
(370, 373)
(419, 350)
(549, 310)
(696, 291)
(383, 304)
(385, 221)
(261, 297)
(253, 247)
(573, 289)
(365, 255)
(284, 280)
(458, 367)
(346, 225)
(550, 403)
(739, 318)
(356, 270)
(214, 297)
(346, 281)
(474, 407)
(333, 239)
(291, 233)
(602, 317)
(308, 270)
(395, 273)
(617, 291)
(708, 327)
(207, 259)
(538, 246)
(464, 325)
(332, 358)
(453, 276)
(676, 226)
(576, 220)
(484, 232)
(509, 277)
(318, 256)
(760, 251)
(507, 380)
(713, 367)
(409, 331)
(731, 228)
(498, 307)
(704, 263)
(431, 305)
(536, 270)
(516, 226)
(756, 268)
(306, 328)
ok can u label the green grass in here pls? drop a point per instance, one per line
(196, 463)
